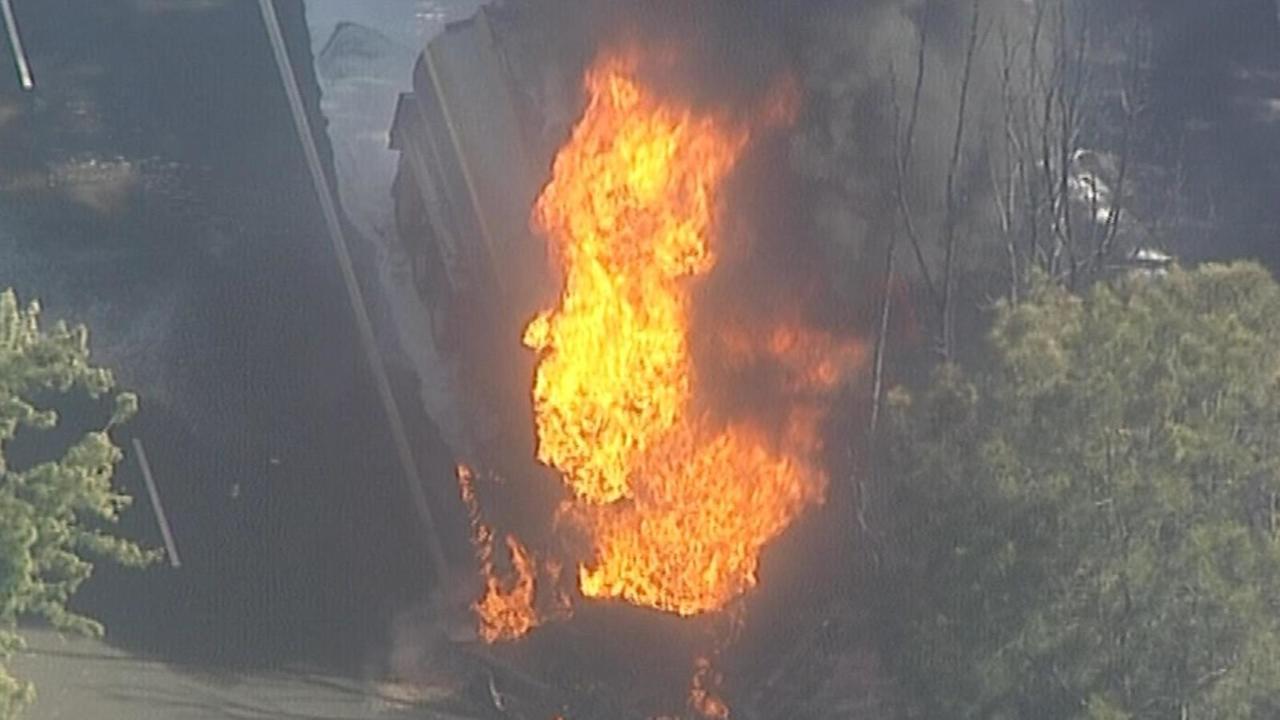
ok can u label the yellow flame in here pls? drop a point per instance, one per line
(678, 506)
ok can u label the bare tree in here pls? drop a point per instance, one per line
(904, 140)
(1058, 204)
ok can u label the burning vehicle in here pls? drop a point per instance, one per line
(634, 447)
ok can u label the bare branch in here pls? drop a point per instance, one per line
(877, 371)
(1131, 110)
(953, 166)
(903, 148)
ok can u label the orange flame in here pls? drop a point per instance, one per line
(506, 610)
(677, 505)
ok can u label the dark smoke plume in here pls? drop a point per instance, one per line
(809, 211)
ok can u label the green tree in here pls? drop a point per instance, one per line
(55, 515)
(1088, 527)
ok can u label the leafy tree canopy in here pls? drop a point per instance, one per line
(54, 515)
(1088, 527)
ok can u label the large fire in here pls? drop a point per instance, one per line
(677, 502)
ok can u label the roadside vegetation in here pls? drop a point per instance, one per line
(58, 505)
(1085, 524)
(1072, 508)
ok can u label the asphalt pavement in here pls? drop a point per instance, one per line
(80, 678)
(151, 185)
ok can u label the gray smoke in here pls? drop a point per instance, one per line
(861, 66)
